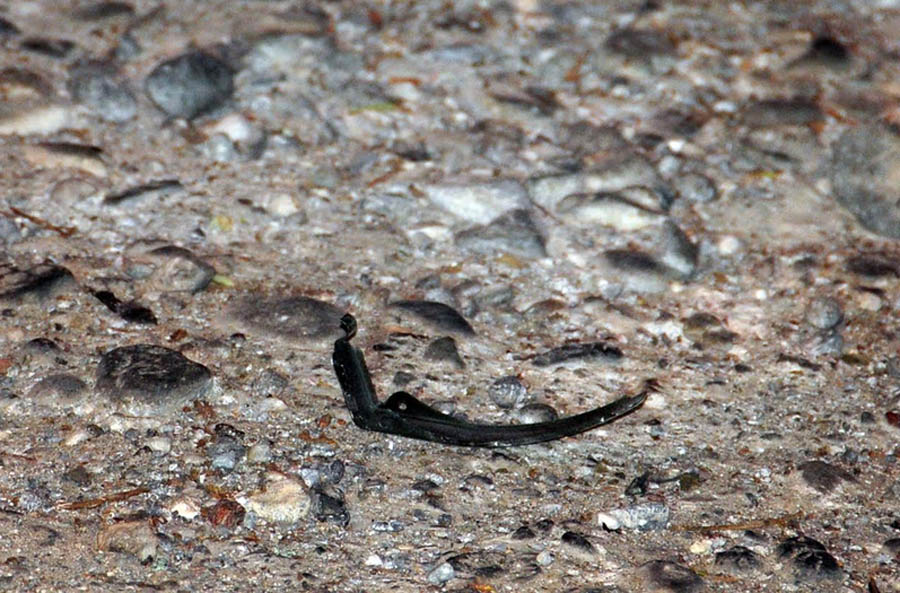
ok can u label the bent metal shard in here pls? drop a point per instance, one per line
(404, 415)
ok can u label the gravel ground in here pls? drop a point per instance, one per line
(192, 194)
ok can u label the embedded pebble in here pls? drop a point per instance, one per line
(577, 541)
(61, 388)
(643, 517)
(295, 317)
(824, 476)
(7, 28)
(509, 392)
(40, 119)
(534, 413)
(809, 557)
(629, 209)
(438, 314)
(68, 192)
(226, 513)
(626, 170)
(104, 10)
(62, 155)
(865, 164)
(282, 500)
(190, 85)
(824, 313)
(150, 379)
(666, 575)
(52, 48)
(137, 538)
(39, 283)
(260, 452)
(779, 112)
(269, 383)
(444, 350)
(327, 507)
(98, 86)
(171, 269)
(479, 203)
(442, 573)
(513, 232)
(640, 43)
(679, 253)
(78, 475)
(738, 558)
(588, 351)
(695, 187)
(156, 189)
(160, 445)
(9, 232)
(225, 452)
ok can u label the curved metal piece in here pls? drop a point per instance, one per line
(404, 415)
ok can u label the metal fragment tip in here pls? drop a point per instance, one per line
(348, 324)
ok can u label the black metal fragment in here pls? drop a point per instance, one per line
(404, 415)
(163, 186)
(129, 311)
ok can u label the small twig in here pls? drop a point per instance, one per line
(757, 524)
(64, 231)
(96, 502)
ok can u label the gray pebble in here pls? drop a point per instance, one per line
(38, 283)
(78, 475)
(782, 112)
(173, 269)
(442, 573)
(104, 10)
(296, 317)
(640, 43)
(98, 86)
(225, 453)
(478, 202)
(150, 379)
(695, 187)
(328, 507)
(9, 232)
(269, 383)
(827, 343)
(670, 576)
(514, 232)
(679, 252)
(824, 312)
(444, 350)
(61, 388)
(823, 476)
(509, 392)
(534, 413)
(866, 160)
(190, 85)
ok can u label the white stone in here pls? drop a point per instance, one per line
(478, 202)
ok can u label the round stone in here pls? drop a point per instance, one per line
(146, 379)
(190, 85)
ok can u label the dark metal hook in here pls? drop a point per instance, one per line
(404, 415)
